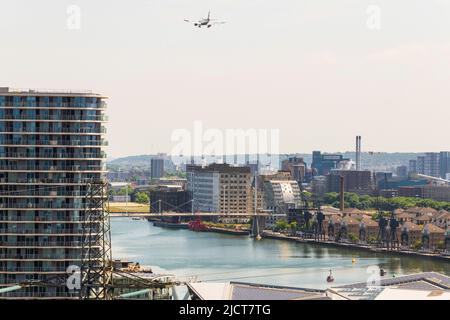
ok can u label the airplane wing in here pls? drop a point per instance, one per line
(217, 22)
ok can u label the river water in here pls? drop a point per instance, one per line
(219, 258)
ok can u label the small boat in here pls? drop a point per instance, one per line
(330, 277)
(197, 225)
(136, 218)
(382, 272)
(258, 237)
(354, 260)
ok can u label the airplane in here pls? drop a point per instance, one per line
(207, 22)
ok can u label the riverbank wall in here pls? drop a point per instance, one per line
(355, 246)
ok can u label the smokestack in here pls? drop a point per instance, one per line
(341, 193)
(358, 153)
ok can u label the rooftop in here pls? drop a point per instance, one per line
(251, 291)
(51, 92)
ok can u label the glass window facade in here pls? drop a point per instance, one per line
(50, 147)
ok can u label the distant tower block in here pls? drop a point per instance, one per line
(192, 159)
(247, 158)
(224, 158)
(257, 163)
(358, 153)
(236, 159)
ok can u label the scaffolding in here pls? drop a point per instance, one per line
(96, 268)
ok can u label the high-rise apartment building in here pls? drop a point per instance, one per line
(435, 164)
(420, 165)
(431, 164)
(157, 168)
(412, 167)
(51, 146)
(444, 167)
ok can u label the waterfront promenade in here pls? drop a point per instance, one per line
(358, 246)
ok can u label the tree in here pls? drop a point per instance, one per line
(417, 245)
(124, 191)
(142, 197)
(293, 226)
(281, 224)
(353, 237)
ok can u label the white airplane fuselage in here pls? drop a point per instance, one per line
(203, 22)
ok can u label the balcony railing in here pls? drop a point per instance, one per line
(46, 181)
(31, 269)
(60, 155)
(25, 142)
(40, 117)
(53, 106)
(43, 206)
(53, 131)
(40, 256)
(52, 168)
(42, 231)
(37, 295)
(30, 193)
(34, 220)
(42, 244)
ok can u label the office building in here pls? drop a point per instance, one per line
(322, 164)
(156, 168)
(281, 193)
(354, 181)
(401, 171)
(297, 167)
(220, 188)
(438, 193)
(51, 146)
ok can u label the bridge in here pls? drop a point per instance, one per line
(258, 221)
(190, 214)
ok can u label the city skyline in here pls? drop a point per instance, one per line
(319, 91)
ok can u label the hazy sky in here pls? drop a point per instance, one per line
(313, 69)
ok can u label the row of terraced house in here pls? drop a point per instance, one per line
(424, 227)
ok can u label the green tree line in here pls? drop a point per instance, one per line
(366, 202)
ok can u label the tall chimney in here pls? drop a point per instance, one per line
(341, 193)
(358, 153)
